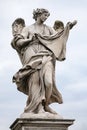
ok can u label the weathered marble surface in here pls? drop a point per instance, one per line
(41, 124)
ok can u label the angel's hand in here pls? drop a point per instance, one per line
(72, 24)
(31, 37)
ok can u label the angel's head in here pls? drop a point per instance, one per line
(17, 26)
(42, 13)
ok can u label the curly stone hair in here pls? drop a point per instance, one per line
(38, 12)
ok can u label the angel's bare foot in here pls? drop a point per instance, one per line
(48, 109)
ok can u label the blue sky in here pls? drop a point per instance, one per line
(71, 75)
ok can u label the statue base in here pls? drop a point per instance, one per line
(41, 124)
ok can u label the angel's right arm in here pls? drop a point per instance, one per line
(24, 42)
(26, 38)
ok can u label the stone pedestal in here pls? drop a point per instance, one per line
(41, 124)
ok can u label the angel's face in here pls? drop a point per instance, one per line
(43, 17)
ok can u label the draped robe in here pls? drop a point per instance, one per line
(38, 57)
